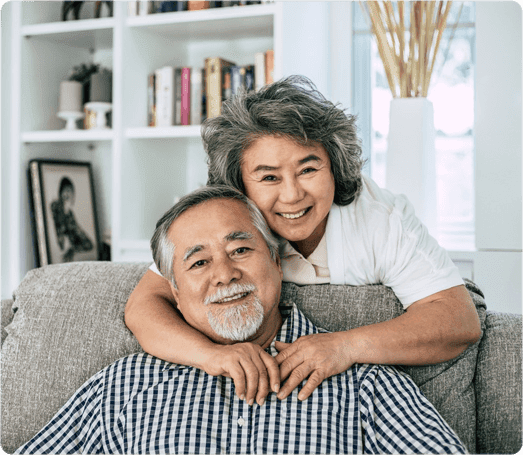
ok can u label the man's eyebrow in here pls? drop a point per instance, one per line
(266, 167)
(238, 235)
(192, 250)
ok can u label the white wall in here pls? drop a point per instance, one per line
(497, 265)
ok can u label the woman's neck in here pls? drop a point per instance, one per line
(307, 246)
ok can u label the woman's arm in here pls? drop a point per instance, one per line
(432, 330)
(161, 331)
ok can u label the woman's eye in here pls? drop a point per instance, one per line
(269, 178)
(309, 170)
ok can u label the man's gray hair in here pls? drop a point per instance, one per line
(163, 249)
(292, 108)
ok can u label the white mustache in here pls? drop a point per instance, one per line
(230, 291)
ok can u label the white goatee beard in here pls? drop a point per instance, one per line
(237, 323)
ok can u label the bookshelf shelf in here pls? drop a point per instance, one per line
(87, 33)
(203, 25)
(67, 136)
(192, 131)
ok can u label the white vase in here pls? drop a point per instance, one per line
(411, 156)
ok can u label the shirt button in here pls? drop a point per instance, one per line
(241, 421)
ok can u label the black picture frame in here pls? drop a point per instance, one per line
(63, 212)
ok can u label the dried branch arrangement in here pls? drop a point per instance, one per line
(408, 51)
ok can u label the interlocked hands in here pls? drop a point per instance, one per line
(256, 373)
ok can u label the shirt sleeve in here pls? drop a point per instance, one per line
(409, 260)
(397, 418)
(76, 427)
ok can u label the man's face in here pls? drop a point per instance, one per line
(228, 286)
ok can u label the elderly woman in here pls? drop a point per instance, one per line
(297, 156)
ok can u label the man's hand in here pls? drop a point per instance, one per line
(316, 357)
(255, 372)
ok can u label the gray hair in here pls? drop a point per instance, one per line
(291, 108)
(163, 249)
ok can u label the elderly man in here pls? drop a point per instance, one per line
(223, 265)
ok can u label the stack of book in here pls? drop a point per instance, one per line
(142, 7)
(187, 96)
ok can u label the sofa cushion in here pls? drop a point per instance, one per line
(449, 386)
(498, 388)
(68, 324)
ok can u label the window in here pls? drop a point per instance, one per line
(452, 94)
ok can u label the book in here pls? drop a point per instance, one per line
(177, 117)
(132, 8)
(170, 6)
(195, 5)
(165, 99)
(214, 84)
(237, 78)
(151, 100)
(145, 7)
(248, 81)
(185, 105)
(259, 70)
(196, 96)
(269, 66)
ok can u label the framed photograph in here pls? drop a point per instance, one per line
(65, 228)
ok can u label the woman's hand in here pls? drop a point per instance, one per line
(316, 357)
(255, 372)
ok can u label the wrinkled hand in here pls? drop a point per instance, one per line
(255, 372)
(316, 357)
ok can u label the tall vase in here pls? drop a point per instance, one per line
(411, 156)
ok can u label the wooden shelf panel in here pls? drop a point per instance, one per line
(67, 136)
(239, 22)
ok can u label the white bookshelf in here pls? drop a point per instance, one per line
(138, 170)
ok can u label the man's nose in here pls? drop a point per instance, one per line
(225, 271)
(291, 191)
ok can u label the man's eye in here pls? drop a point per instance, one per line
(241, 250)
(198, 264)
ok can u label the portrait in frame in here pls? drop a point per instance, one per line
(63, 212)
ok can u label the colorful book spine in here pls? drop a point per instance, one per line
(269, 66)
(186, 96)
(165, 96)
(259, 70)
(214, 84)
(195, 5)
(177, 120)
(196, 96)
(151, 100)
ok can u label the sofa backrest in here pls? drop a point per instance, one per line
(69, 323)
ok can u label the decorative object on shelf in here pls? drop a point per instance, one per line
(63, 212)
(70, 103)
(196, 5)
(82, 73)
(74, 6)
(408, 35)
(96, 112)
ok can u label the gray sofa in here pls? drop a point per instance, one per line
(65, 323)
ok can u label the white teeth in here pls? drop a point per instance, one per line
(234, 297)
(290, 216)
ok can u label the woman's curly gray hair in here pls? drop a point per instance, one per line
(291, 108)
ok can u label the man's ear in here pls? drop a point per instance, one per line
(176, 294)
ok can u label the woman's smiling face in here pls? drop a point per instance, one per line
(292, 185)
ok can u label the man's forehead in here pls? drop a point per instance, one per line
(222, 220)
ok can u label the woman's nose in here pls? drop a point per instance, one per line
(291, 191)
(225, 271)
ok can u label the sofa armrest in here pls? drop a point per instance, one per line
(498, 385)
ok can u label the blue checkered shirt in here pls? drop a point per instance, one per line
(143, 405)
